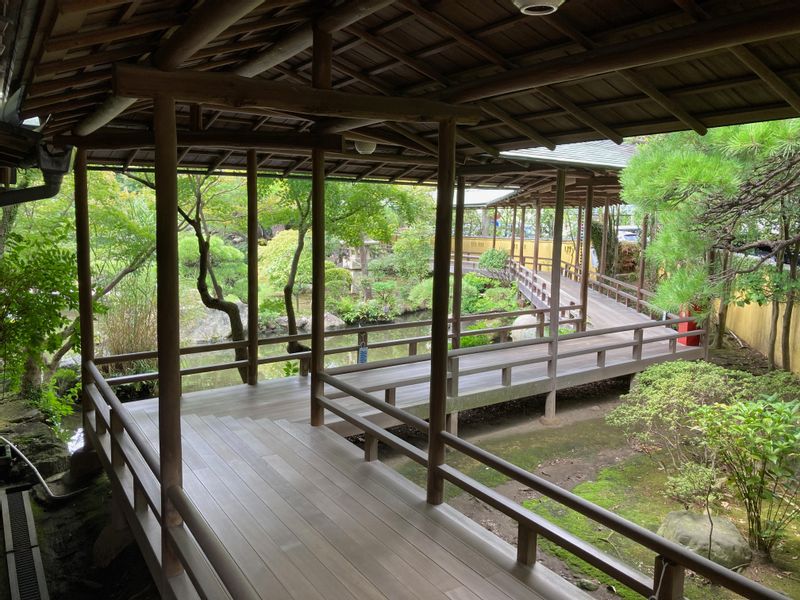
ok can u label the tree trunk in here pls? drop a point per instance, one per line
(210, 301)
(786, 328)
(7, 218)
(776, 304)
(288, 291)
(363, 254)
(722, 315)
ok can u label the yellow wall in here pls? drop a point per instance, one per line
(751, 324)
(479, 245)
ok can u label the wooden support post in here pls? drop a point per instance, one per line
(586, 259)
(513, 234)
(252, 268)
(638, 336)
(537, 234)
(604, 242)
(321, 78)
(668, 580)
(578, 239)
(526, 545)
(85, 309)
(555, 296)
(441, 300)
(643, 243)
(522, 239)
(370, 447)
(458, 261)
(451, 423)
(494, 228)
(168, 323)
(390, 396)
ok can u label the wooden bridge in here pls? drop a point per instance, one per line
(619, 341)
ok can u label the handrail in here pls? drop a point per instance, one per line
(371, 400)
(221, 561)
(128, 423)
(670, 550)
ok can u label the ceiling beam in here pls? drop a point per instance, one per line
(203, 25)
(562, 24)
(118, 138)
(683, 42)
(561, 100)
(232, 90)
(301, 38)
(516, 125)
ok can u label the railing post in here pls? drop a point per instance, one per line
(526, 545)
(601, 359)
(370, 447)
(673, 345)
(458, 261)
(668, 580)
(638, 336)
(412, 348)
(390, 396)
(540, 325)
(118, 521)
(506, 376)
(555, 296)
(586, 256)
(452, 382)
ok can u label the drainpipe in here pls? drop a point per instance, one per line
(53, 167)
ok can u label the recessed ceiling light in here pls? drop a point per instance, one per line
(538, 8)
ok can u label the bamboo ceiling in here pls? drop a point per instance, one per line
(596, 69)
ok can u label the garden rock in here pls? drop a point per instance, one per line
(525, 334)
(213, 325)
(728, 547)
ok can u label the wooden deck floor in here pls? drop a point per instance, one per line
(288, 398)
(307, 519)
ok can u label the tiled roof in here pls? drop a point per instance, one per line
(601, 153)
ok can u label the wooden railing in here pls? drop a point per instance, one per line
(412, 343)
(671, 560)
(134, 471)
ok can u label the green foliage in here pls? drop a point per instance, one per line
(655, 414)
(611, 243)
(291, 368)
(479, 282)
(759, 444)
(37, 288)
(385, 291)
(493, 260)
(412, 253)
(275, 260)
(692, 484)
(270, 308)
(354, 312)
(497, 299)
(481, 339)
(53, 403)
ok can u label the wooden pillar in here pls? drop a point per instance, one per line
(522, 239)
(578, 240)
(555, 296)
(441, 298)
(458, 258)
(604, 242)
(320, 78)
(168, 322)
(85, 293)
(513, 233)
(586, 258)
(252, 267)
(494, 228)
(643, 243)
(537, 234)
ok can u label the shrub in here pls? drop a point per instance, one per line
(759, 444)
(479, 282)
(494, 263)
(692, 484)
(655, 414)
(412, 254)
(368, 311)
(421, 296)
(270, 308)
(385, 265)
(385, 291)
(497, 298)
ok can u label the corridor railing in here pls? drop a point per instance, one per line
(134, 470)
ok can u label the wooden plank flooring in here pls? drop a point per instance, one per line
(288, 398)
(307, 519)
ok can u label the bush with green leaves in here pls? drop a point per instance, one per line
(413, 253)
(497, 299)
(655, 414)
(693, 484)
(361, 312)
(420, 297)
(479, 282)
(758, 442)
(494, 263)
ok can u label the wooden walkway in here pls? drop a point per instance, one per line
(288, 398)
(305, 518)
